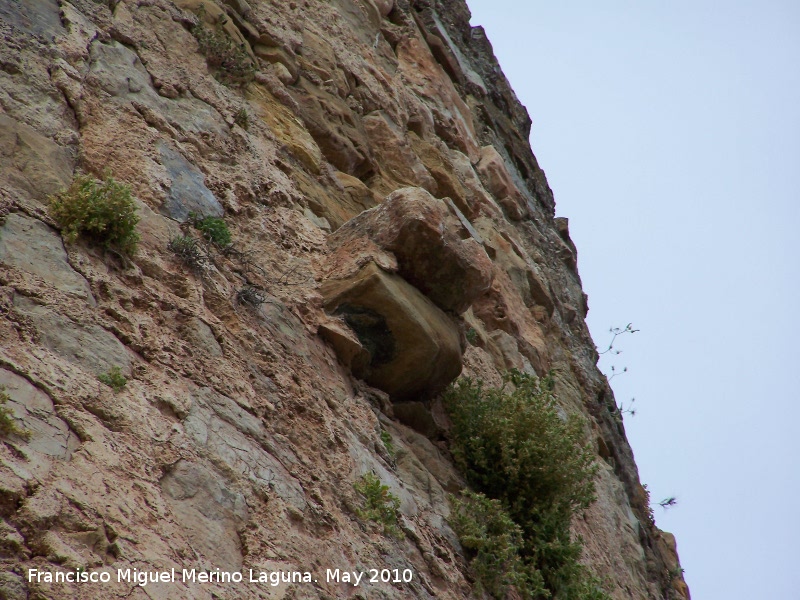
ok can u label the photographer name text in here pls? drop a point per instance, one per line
(217, 576)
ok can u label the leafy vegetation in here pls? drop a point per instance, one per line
(515, 448)
(8, 425)
(673, 575)
(242, 118)
(488, 532)
(650, 516)
(386, 438)
(214, 229)
(104, 212)
(231, 61)
(114, 379)
(379, 505)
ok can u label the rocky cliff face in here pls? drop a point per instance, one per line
(391, 230)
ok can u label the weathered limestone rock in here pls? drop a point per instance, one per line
(418, 416)
(413, 346)
(448, 53)
(49, 438)
(209, 510)
(434, 251)
(87, 345)
(188, 192)
(39, 17)
(119, 72)
(501, 310)
(363, 16)
(497, 180)
(524, 273)
(284, 125)
(452, 117)
(347, 259)
(13, 585)
(279, 56)
(241, 430)
(228, 434)
(478, 200)
(30, 245)
(320, 222)
(437, 161)
(196, 332)
(76, 538)
(333, 203)
(334, 127)
(318, 61)
(503, 349)
(283, 74)
(384, 6)
(32, 162)
(359, 196)
(345, 342)
(567, 250)
(394, 153)
(214, 16)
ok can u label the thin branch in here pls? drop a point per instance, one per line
(617, 332)
(615, 373)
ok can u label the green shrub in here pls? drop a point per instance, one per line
(494, 541)
(104, 212)
(379, 505)
(386, 438)
(213, 229)
(232, 63)
(650, 516)
(512, 445)
(8, 425)
(114, 379)
(472, 336)
(242, 118)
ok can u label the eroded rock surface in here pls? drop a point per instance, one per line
(29, 245)
(435, 252)
(413, 346)
(391, 230)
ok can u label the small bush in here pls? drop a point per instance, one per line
(104, 212)
(213, 229)
(512, 445)
(242, 119)
(232, 63)
(472, 336)
(8, 425)
(386, 438)
(650, 516)
(494, 541)
(380, 505)
(114, 379)
(186, 248)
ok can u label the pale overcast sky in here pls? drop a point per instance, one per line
(670, 135)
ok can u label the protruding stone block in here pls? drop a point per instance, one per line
(413, 347)
(435, 252)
